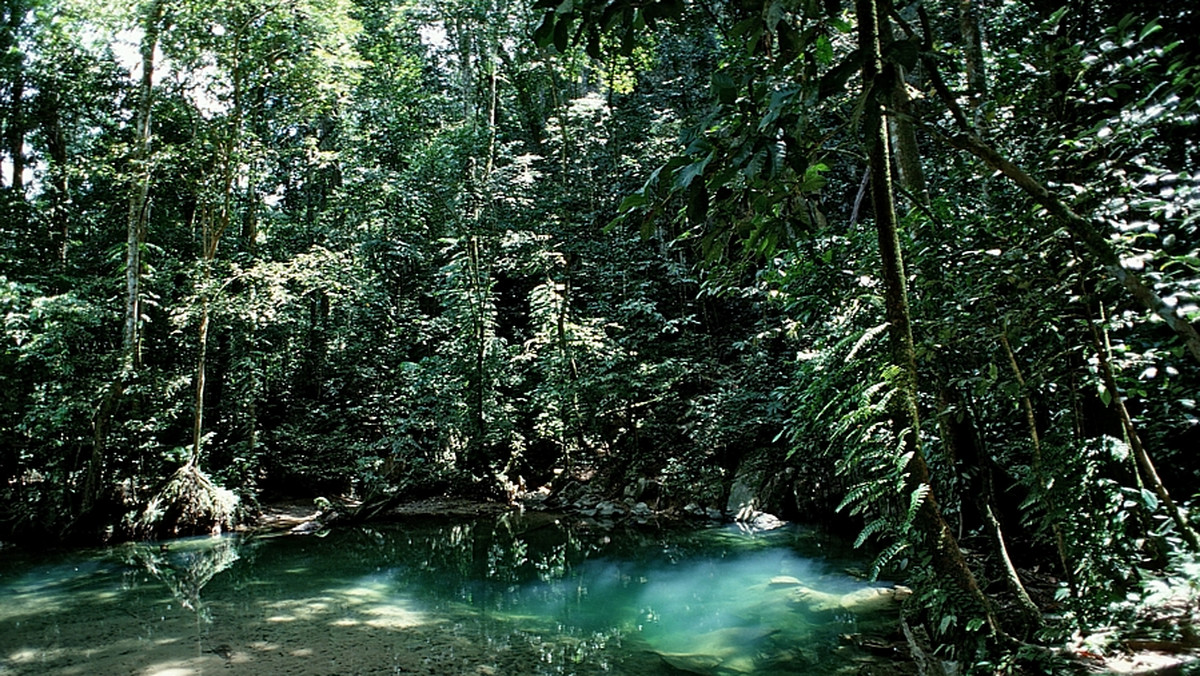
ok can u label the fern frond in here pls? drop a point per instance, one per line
(914, 504)
(886, 556)
(868, 530)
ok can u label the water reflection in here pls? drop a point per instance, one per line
(185, 566)
(528, 595)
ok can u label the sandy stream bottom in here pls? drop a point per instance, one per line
(345, 632)
(348, 631)
(380, 640)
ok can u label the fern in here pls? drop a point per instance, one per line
(885, 557)
(914, 504)
(870, 529)
(860, 492)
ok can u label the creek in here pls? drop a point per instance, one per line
(514, 594)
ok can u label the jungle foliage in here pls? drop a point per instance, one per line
(938, 263)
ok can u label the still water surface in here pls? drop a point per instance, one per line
(509, 595)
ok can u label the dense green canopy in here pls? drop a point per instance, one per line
(935, 266)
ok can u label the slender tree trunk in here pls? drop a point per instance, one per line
(201, 375)
(1038, 468)
(215, 221)
(937, 537)
(1150, 474)
(903, 132)
(139, 197)
(15, 130)
(134, 238)
(58, 187)
(965, 447)
(972, 36)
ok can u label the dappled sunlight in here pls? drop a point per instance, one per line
(426, 601)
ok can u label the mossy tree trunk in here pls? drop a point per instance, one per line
(937, 538)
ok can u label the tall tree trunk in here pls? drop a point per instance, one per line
(201, 374)
(134, 237)
(139, 197)
(14, 132)
(935, 533)
(58, 186)
(972, 36)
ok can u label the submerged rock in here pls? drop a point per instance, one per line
(784, 581)
(692, 663)
(608, 508)
(862, 601)
(874, 598)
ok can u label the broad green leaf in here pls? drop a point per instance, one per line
(633, 201)
(1149, 499)
(724, 86)
(824, 50)
(561, 28)
(692, 171)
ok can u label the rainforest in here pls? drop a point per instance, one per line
(862, 299)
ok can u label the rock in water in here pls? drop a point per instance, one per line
(874, 598)
(692, 663)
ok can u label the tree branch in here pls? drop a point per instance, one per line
(1088, 232)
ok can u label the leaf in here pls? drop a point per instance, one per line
(560, 33)
(628, 42)
(1149, 499)
(1057, 16)
(1150, 29)
(870, 529)
(947, 620)
(814, 178)
(824, 50)
(835, 80)
(593, 45)
(750, 26)
(692, 171)
(790, 43)
(543, 36)
(774, 15)
(724, 87)
(633, 201)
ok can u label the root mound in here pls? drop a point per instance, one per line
(189, 504)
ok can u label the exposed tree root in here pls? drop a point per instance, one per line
(189, 504)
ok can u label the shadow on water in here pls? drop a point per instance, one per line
(508, 595)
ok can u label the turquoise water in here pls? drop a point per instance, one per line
(509, 595)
